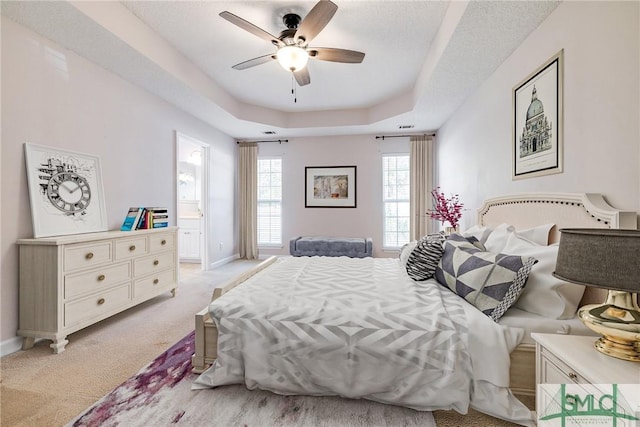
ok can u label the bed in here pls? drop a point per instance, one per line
(300, 310)
(564, 210)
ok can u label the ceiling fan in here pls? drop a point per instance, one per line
(292, 44)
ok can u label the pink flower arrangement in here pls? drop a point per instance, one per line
(449, 210)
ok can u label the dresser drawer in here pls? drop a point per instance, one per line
(149, 264)
(87, 255)
(96, 306)
(129, 248)
(96, 279)
(152, 285)
(555, 371)
(161, 242)
(70, 282)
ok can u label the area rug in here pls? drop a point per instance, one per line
(160, 395)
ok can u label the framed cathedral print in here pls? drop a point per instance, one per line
(537, 121)
(65, 191)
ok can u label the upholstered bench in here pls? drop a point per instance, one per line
(354, 247)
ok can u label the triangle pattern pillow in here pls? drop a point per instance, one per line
(492, 282)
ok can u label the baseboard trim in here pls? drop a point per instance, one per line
(234, 257)
(223, 261)
(10, 346)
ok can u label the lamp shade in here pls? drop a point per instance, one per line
(600, 257)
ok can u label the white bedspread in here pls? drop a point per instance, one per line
(361, 328)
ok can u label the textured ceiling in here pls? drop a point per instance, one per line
(214, 45)
(423, 58)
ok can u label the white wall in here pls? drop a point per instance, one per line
(365, 220)
(601, 42)
(53, 97)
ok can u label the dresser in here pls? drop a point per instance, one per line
(572, 359)
(70, 282)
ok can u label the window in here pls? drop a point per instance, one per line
(269, 201)
(395, 198)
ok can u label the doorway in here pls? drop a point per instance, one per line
(192, 199)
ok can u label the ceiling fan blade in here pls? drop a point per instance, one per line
(248, 26)
(336, 55)
(317, 18)
(255, 61)
(302, 77)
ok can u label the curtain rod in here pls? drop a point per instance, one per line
(382, 137)
(279, 141)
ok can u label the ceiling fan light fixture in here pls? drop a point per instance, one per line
(292, 58)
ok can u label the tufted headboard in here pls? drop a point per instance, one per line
(565, 210)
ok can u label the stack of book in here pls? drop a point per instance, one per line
(143, 218)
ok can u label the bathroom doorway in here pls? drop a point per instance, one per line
(192, 199)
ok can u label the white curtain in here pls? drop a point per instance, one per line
(248, 180)
(421, 171)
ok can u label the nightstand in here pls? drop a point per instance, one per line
(566, 359)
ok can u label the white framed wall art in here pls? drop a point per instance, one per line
(65, 191)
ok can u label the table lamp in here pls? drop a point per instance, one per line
(607, 259)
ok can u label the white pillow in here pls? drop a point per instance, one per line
(499, 236)
(538, 234)
(405, 252)
(479, 232)
(544, 294)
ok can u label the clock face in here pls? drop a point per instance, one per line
(69, 192)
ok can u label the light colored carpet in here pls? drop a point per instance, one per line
(161, 395)
(39, 388)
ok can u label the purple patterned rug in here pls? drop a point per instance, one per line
(141, 390)
(160, 395)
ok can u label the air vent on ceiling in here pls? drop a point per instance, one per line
(405, 126)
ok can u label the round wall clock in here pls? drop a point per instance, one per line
(69, 192)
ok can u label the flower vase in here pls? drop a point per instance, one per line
(449, 230)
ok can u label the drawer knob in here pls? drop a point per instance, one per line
(156, 281)
(156, 262)
(89, 255)
(132, 248)
(101, 277)
(573, 376)
(163, 242)
(101, 301)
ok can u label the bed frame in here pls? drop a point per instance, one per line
(522, 211)
(565, 210)
(206, 339)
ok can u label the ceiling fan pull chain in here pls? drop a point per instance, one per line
(294, 90)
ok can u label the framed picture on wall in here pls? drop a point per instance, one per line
(330, 187)
(538, 121)
(65, 191)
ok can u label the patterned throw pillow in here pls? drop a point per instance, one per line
(460, 241)
(492, 282)
(424, 258)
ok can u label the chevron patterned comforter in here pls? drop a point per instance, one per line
(360, 328)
